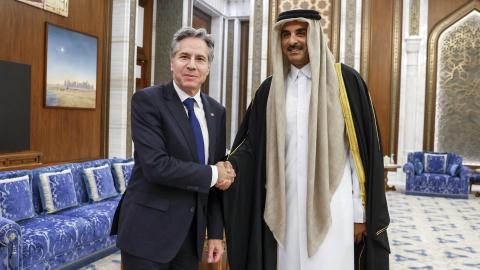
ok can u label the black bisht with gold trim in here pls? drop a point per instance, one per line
(250, 243)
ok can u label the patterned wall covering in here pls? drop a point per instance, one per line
(457, 114)
(323, 6)
(414, 18)
(350, 24)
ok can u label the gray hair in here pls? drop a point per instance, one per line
(189, 32)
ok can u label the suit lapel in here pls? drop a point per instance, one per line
(176, 108)
(211, 124)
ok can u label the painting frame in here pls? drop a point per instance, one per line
(35, 3)
(71, 68)
(59, 7)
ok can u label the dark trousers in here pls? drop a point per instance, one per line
(186, 258)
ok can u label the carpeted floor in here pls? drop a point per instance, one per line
(425, 233)
(434, 233)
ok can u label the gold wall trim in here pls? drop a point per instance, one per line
(350, 40)
(106, 81)
(395, 82)
(432, 55)
(414, 18)
(365, 40)
(336, 29)
(132, 48)
(273, 16)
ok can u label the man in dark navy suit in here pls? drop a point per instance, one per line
(173, 193)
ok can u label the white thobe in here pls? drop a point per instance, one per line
(336, 251)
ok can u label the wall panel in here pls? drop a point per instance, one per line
(439, 9)
(447, 89)
(438, 12)
(380, 65)
(60, 134)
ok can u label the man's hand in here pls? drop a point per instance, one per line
(215, 250)
(226, 175)
(359, 230)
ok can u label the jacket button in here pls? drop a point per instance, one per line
(192, 209)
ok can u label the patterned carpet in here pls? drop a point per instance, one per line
(111, 262)
(434, 233)
(425, 233)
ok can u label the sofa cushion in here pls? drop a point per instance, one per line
(79, 185)
(49, 235)
(99, 215)
(436, 183)
(16, 198)
(121, 173)
(99, 182)
(418, 165)
(435, 163)
(454, 169)
(57, 191)
(453, 159)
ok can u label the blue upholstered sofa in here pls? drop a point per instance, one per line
(57, 216)
(436, 174)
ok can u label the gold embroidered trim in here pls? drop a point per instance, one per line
(234, 150)
(381, 230)
(352, 136)
(374, 118)
(361, 254)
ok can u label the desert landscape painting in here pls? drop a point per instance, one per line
(71, 69)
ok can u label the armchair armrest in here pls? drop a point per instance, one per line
(465, 172)
(409, 169)
(10, 235)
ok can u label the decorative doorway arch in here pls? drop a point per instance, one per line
(453, 84)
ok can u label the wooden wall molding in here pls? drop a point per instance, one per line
(20, 160)
(379, 66)
(365, 43)
(395, 82)
(335, 37)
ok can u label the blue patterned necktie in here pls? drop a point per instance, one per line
(197, 131)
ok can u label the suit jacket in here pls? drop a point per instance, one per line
(168, 187)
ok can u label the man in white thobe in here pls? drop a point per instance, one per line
(345, 207)
(302, 157)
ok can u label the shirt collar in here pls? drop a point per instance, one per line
(305, 70)
(182, 95)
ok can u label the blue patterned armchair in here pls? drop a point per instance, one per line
(436, 174)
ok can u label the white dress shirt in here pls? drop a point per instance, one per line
(200, 114)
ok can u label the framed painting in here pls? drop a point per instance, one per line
(57, 6)
(35, 3)
(71, 69)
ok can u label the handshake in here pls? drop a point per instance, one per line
(226, 175)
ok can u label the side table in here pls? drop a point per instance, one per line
(389, 168)
(477, 172)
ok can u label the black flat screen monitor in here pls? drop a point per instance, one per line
(14, 107)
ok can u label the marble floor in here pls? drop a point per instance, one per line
(425, 233)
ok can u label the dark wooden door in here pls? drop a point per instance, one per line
(202, 20)
(144, 52)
